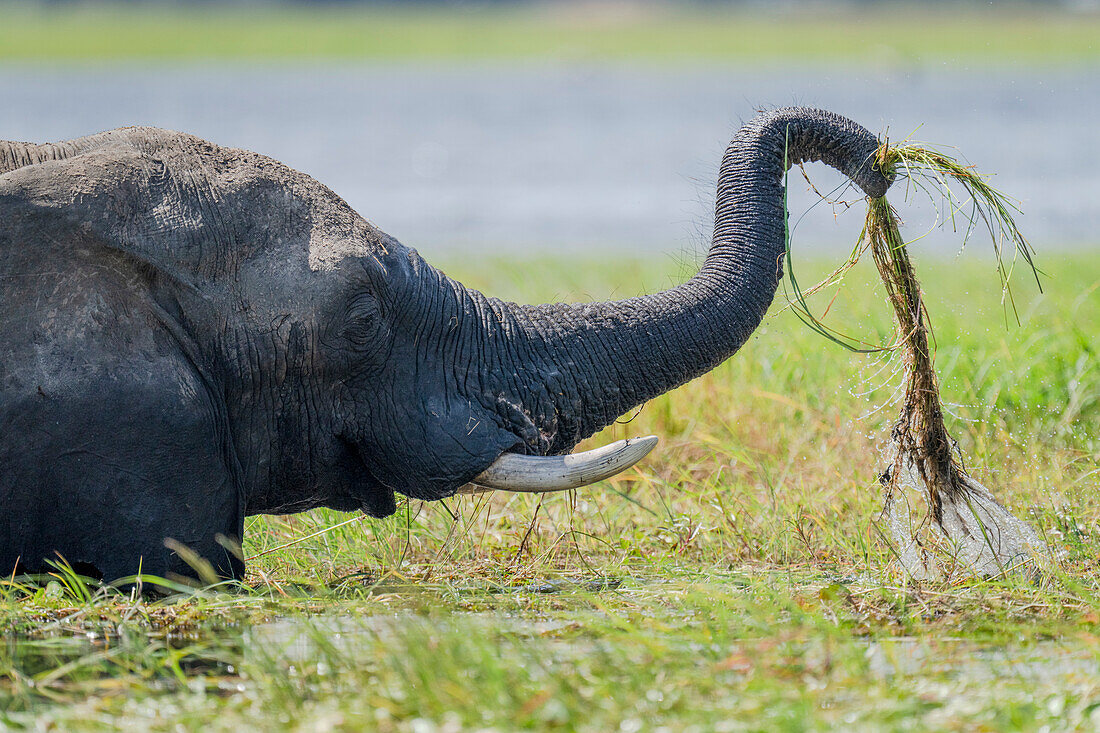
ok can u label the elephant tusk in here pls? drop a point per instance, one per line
(539, 474)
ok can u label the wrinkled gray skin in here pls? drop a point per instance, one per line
(190, 334)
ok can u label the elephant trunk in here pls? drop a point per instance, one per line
(599, 360)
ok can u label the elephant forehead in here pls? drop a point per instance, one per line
(333, 238)
(336, 230)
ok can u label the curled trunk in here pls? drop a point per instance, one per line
(599, 360)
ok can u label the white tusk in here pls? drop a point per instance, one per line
(538, 474)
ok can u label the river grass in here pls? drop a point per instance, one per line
(737, 579)
(96, 32)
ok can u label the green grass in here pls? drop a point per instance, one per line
(736, 579)
(876, 37)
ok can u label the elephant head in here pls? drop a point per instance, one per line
(436, 385)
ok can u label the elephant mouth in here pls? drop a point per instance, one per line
(373, 495)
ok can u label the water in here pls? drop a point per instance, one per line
(976, 536)
(215, 652)
(577, 157)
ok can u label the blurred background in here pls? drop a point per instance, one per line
(521, 127)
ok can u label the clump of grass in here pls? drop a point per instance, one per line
(973, 531)
(981, 534)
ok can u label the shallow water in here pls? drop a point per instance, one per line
(295, 639)
(1043, 662)
(568, 157)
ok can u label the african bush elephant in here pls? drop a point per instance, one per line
(190, 334)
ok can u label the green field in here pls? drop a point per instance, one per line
(877, 38)
(738, 579)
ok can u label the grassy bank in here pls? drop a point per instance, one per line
(737, 579)
(110, 33)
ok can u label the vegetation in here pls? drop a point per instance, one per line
(739, 578)
(883, 38)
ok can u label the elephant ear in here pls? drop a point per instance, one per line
(122, 198)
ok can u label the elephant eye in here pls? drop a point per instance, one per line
(362, 330)
(361, 325)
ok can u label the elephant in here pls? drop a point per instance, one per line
(191, 334)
